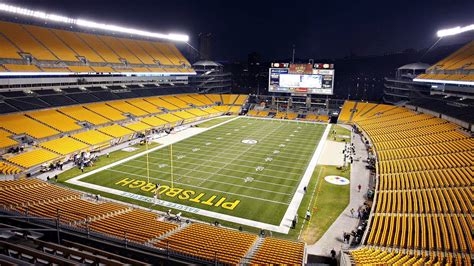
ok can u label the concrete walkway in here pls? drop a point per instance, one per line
(345, 223)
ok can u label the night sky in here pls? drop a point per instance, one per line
(319, 29)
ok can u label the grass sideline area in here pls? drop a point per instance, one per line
(340, 131)
(261, 177)
(328, 202)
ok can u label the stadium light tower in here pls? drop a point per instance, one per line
(454, 31)
(90, 24)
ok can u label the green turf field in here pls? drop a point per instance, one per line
(217, 172)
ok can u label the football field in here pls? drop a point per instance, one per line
(244, 169)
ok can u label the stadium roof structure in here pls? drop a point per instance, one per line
(90, 24)
(414, 66)
(207, 63)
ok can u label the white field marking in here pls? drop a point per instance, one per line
(234, 170)
(281, 145)
(199, 158)
(248, 179)
(228, 133)
(300, 140)
(200, 178)
(303, 143)
(207, 161)
(225, 175)
(299, 193)
(260, 154)
(211, 189)
(259, 168)
(311, 200)
(288, 121)
(180, 207)
(144, 152)
(254, 152)
(237, 156)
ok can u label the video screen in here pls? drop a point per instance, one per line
(302, 79)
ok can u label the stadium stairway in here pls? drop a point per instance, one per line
(174, 231)
(352, 113)
(246, 260)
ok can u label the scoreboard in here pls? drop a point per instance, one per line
(301, 78)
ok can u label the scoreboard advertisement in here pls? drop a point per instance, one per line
(301, 78)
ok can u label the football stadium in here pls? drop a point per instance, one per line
(122, 145)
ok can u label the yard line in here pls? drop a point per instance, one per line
(225, 175)
(216, 190)
(276, 128)
(254, 152)
(249, 173)
(278, 139)
(200, 178)
(260, 144)
(199, 156)
(208, 160)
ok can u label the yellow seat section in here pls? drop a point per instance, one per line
(138, 126)
(222, 108)
(153, 121)
(169, 117)
(197, 112)
(55, 120)
(229, 98)
(164, 48)
(9, 169)
(32, 158)
(106, 111)
(99, 47)
(202, 98)
(144, 105)
(21, 68)
(154, 52)
(235, 109)
(8, 50)
(116, 131)
(125, 107)
(214, 98)
(119, 49)
(161, 103)
(137, 50)
(19, 124)
(5, 141)
(52, 42)
(211, 110)
(23, 40)
(175, 101)
(78, 45)
(190, 100)
(64, 145)
(178, 54)
(241, 99)
(92, 137)
(82, 114)
(184, 114)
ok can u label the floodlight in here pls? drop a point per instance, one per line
(91, 24)
(454, 31)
